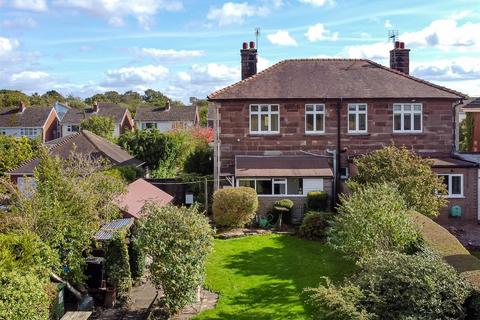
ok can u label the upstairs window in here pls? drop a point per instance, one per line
(73, 128)
(314, 118)
(357, 118)
(407, 117)
(264, 118)
(149, 125)
(29, 132)
(454, 184)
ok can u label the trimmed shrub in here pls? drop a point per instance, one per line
(317, 201)
(234, 207)
(336, 302)
(284, 203)
(23, 296)
(178, 240)
(117, 264)
(391, 286)
(283, 208)
(372, 219)
(314, 225)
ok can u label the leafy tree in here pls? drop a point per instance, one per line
(178, 241)
(52, 96)
(15, 151)
(200, 161)
(101, 126)
(372, 219)
(117, 264)
(411, 174)
(155, 98)
(76, 102)
(66, 208)
(12, 98)
(466, 133)
(203, 112)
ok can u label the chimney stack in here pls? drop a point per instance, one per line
(95, 106)
(249, 59)
(400, 58)
(167, 108)
(23, 106)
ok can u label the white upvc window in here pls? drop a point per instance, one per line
(407, 117)
(357, 118)
(274, 186)
(264, 118)
(454, 184)
(29, 132)
(314, 118)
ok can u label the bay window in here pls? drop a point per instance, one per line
(357, 118)
(407, 117)
(315, 118)
(264, 118)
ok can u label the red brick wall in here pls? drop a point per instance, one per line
(437, 135)
(51, 128)
(468, 203)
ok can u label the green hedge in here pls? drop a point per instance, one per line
(317, 200)
(314, 225)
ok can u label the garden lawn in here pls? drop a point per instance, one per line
(262, 277)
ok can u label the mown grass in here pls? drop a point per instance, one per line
(263, 277)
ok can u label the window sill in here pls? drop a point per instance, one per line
(413, 133)
(454, 197)
(358, 134)
(275, 134)
(315, 133)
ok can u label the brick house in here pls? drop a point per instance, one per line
(166, 118)
(332, 110)
(31, 122)
(122, 118)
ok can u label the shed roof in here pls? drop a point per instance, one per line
(107, 231)
(332, 79)
(282, 166)
(139, 193)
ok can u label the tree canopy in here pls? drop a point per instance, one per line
(15, 151)
(101, 126)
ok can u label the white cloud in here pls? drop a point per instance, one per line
(29, 75)
(7, 46)
(235, 13)
(318, 32)
(282, 38)
(116, 10)
(262, 63)
(33, 5)
(133, 76)
(317, 3)
(445, 34)
(21, 22)
(167, 54)
(463, 68)
(375, 51)
(388, 24)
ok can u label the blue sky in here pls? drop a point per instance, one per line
(191, 47)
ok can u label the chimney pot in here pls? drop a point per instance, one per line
(252, 44)
(402, 45)
(397, 44)
(245, 46)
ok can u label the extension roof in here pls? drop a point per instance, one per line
(175, 113)
(331, 79)
(86, 143)
(34, 117)
(471, 105)
(111, 110)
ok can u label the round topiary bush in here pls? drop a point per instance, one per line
(283, 208)
(234, 207)
(314, 225)
(317, 200)
(284, 203)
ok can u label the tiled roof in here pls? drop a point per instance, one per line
(180, 113)
(86, 143)
(31, 117)
(332, 78)
(112, 110)
(138, 194)
(471, 103)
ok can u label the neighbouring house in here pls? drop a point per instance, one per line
(139, 193)
(121, 117)
(32, 122)
(83, 142)
(166, 118)
(298, 125)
